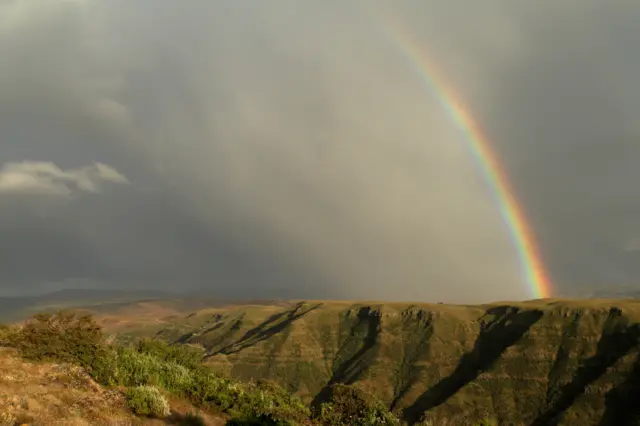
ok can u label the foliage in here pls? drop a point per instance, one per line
(147, 401)
(348, 405)
(64, 336)
(6, 334)
(149, 365)
(185, 355)
(126, 366)
(486, 422)
(248, 402)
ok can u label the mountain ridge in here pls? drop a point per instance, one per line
(551, 361)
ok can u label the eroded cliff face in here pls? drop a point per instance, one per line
(532, 363)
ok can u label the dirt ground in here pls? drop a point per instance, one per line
(58, 394)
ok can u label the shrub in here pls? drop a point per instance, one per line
(273, 403)
(348, 405)
(247, 403)
(64, 336)
(187, 356)
(128, 367)
(264, 402)
(175, 377)
(104, 366)
(147, 401)
(6, 334)
(136, 369)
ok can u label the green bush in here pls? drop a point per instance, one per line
(175, 377)
(147, 401)
(273, 403)
(135, 369)
(187, 356)
(64, 336)
(103, 369)
(7, 334)
(348, 405)
(248, 403)
(128, 366)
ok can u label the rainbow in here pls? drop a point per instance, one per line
(488, 161)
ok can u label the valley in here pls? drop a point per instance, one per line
(524, 363)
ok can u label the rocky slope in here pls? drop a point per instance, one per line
(547, 362)
(48, 394)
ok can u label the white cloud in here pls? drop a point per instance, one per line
(45, 178)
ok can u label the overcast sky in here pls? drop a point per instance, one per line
(289, 149)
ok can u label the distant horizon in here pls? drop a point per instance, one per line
(148, 293)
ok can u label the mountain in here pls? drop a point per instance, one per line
(544, 362)
(628, 291)
(18, 308)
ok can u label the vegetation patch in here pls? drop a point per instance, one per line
(148, 367)
(65, 336)
(348, 405)
(147, 401)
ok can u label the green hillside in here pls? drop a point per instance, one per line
(543, 362)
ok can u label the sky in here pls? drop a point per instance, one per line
(289, 149)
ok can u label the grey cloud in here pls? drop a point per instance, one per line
(553, 85)
(575, 163)
(291, 150)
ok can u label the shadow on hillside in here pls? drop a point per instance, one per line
(351, 369)
(621, 402)
(270, 327)
(225, 336)
(570, 332)
(494, 338)
(182, 419)
(420, 328)
(221, 339)
(616, 341)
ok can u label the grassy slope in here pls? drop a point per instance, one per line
(59, 394)
(538, 363)
(54, 394)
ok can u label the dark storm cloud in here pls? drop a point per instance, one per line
(566, 117)
(554, 85)
(290, 151)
